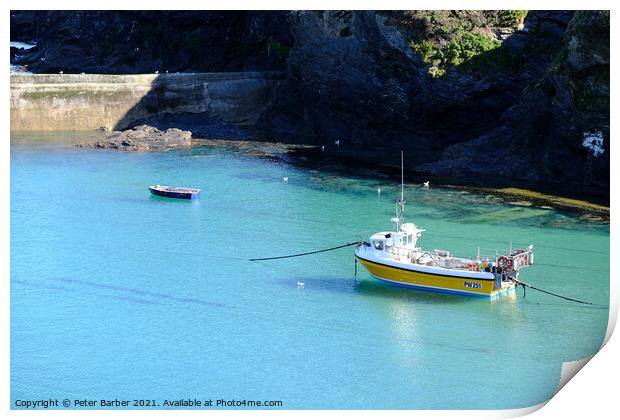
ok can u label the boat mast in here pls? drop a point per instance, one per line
(401, 204)
(402, 182)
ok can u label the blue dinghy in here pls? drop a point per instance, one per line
(175, 192)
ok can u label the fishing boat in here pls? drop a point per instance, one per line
(394, 257)
(175, 192)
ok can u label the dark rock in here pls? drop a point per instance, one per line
(23, 25)
(133, 42)
(143, 138)
(14, 52)
(542, 139)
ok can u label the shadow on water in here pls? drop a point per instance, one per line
(73, 290)
(141, 292)
(373, 289)
(170, 200)
(378, 290)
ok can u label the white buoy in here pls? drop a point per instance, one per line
(60, 72)
(322, 148)
(156, 71)
(285, 179)
(300, 285)
(427, 184)
(379, 191)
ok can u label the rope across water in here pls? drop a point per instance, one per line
(306, 253)
(550, 293)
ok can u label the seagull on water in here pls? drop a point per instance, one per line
(337, 143)
(322, 148)
(427, 184)
(300, 285)
(60, 72)
(379, 191)
(285, 179)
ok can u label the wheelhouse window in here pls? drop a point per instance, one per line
(378, 245)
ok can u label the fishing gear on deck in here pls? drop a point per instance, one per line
(524, 285)
(306, 253)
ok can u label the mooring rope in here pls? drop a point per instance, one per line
(306, 253)
(550, 293)
(524, 285)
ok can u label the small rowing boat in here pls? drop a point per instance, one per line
(175, 192)
(394, 257)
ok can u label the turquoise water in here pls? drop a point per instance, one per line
(119, 294)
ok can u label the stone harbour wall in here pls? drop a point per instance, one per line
(59, 102)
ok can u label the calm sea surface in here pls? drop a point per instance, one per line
(116, 293)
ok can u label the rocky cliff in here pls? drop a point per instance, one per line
(514, 97)
(557, 134)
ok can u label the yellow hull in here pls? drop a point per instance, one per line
(433, 282)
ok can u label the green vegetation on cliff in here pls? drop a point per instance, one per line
(459, 50)
(276, 47)
(451, 38)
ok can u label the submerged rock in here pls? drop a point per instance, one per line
(143, 138)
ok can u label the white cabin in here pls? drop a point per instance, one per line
(391, 242)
